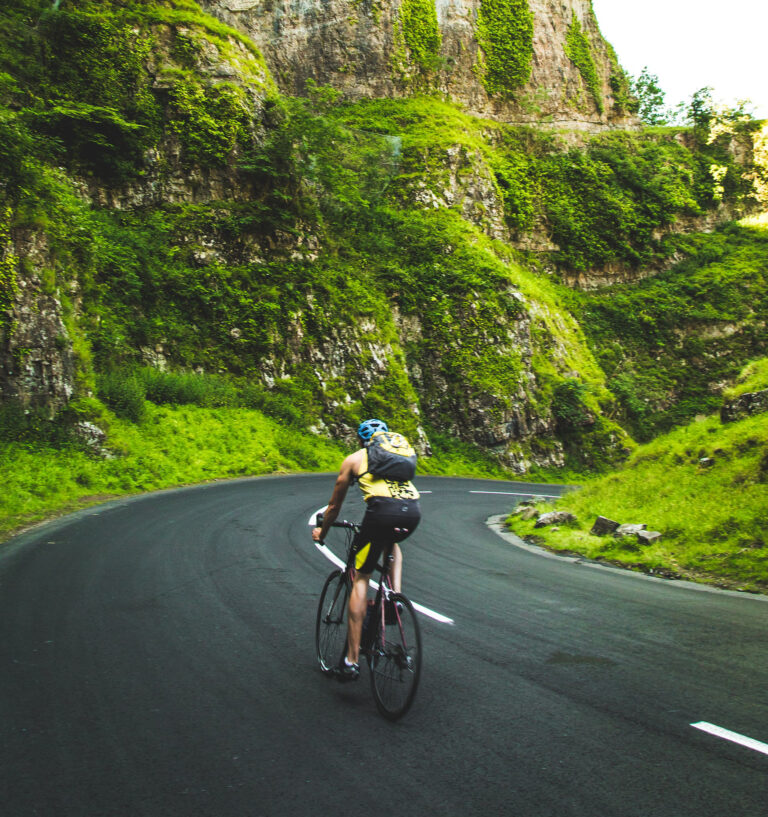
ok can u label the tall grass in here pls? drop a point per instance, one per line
(125, 389)
(174, 445)
(754, 377)
(703, 486)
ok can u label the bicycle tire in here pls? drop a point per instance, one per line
(395, 660)
(331, 624)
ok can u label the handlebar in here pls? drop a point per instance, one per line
(342, 523)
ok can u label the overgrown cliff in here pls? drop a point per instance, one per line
(165, 206)
(513, 60)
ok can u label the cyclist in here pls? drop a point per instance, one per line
(392, 513)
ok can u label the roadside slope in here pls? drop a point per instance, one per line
(704, 487)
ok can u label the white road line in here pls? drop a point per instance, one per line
(515, 493)
(330, 555)
(735, 737)
(425, 611)
(334, 559)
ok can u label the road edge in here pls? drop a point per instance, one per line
(496, 524)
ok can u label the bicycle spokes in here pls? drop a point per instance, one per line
(395, 662)
(330, 628)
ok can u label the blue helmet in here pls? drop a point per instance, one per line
(368, 428)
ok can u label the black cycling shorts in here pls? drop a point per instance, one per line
(386, 521)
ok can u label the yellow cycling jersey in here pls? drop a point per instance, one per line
(376, 486)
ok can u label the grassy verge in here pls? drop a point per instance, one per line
(754, 377)
(179, 445)
(175, 446)
(703, 486)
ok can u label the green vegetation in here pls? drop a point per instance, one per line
(664, 341)
(452, 458)
(579, 51)
(754, 377)
(421, 32)
(81, 86)
(704, 487)
(46, 471)
(604, 203)
(174, 445)
(650, 98)
(609, 203)
(505, 36)
(8, 274)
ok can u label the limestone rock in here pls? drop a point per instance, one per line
(603, 526)
(555, 518)
(744, 405)
(93, 437)
(628, 530)
(357, 48)
(36, 359)
(647, 537)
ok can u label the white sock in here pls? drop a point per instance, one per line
(347, 662)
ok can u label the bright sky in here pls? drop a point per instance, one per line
(690, 44)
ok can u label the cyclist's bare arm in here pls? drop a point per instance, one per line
(346, 476)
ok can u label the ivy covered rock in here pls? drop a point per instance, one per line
(744, 405)
(163, 207)
(513, 60)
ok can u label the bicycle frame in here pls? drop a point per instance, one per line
(384, 590)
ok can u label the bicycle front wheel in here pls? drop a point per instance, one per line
(395, 658)
(331, 627)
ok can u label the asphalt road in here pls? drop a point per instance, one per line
(157, 658)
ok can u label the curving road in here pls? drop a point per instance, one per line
(156, 658)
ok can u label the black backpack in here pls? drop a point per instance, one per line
(391, 456)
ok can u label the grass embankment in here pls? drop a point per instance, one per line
(753, 377)
(703, 486)
(172, 446)
(175, 446)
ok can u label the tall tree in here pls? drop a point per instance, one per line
(650, 97)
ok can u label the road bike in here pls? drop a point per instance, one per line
(390, 642)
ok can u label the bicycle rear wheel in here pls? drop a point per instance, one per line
(395, 659)
(331, 626)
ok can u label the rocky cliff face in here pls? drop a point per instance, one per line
(541, 61)
(459, 341)
(40, 291)
(36, 359)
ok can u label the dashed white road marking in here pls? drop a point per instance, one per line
(435, 616)
(734, 737)
(517, 493)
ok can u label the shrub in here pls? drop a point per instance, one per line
(124, 392)
(568, 406)
(187, 388)
(33, 426)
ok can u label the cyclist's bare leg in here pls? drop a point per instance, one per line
(396, 570)
(358, 601)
